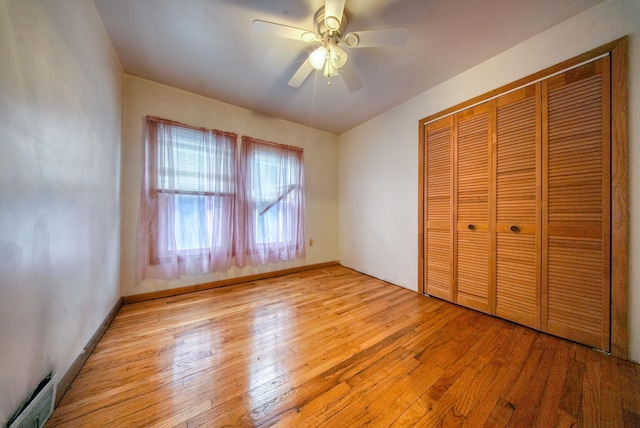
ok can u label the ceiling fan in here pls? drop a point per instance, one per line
(330, 24)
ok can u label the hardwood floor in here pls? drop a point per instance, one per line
(332, 347)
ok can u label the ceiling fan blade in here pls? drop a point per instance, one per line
(301, 74)
(279, 30)
(333, 10)
(350, 77)
(374, 38)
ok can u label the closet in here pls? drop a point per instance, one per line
(516, 203)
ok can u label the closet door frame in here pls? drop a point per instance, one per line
(617, 50)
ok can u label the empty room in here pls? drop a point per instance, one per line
(304, 213)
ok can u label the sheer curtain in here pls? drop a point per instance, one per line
(271, 209)
(187, 218)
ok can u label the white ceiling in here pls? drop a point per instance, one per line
(208, 47)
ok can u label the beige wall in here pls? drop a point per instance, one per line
(143, 97)
(378, 192)
(60, 113)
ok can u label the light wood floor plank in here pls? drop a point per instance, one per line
(332, 347)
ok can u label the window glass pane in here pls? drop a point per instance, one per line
(193, 223)
(274, 184)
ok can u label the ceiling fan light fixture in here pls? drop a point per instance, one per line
(330, 22)
(330, 70)
(318, 57)
(338, 56)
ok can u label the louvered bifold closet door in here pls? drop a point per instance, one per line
(473, 168)
(576, 239)
(518, 210)
(438, 208)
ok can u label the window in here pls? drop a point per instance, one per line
(188, 209)
(195, 181)
(273, 196)
(202, 211)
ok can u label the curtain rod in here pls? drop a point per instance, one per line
(196, 128)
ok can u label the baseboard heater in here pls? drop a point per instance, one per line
(38, 408)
